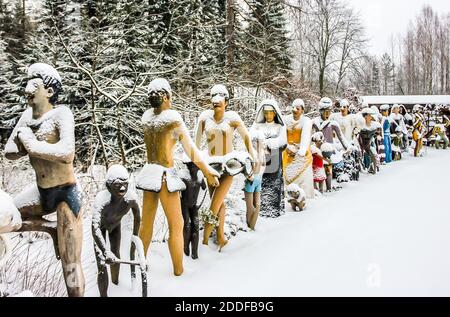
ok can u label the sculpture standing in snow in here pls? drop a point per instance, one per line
(348, 122)
(163, 128)
(109, 208)
(253, 186)
(440, 137)
(398, 131)
(194, 181)
(418, 129)
(329, 128)
(219, 126)
(46, 135)
(270, 123)
(367, 140)
(297, 160)
(387, 140)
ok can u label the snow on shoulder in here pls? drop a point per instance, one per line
(158, 122)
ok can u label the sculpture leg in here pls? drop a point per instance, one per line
(70, 241)
(102, 275)
(250, 207)
(114, 240)
(187, 229)
(195, 227)
(257, 207)
(172, 208)
(149, 208)
(218, 196)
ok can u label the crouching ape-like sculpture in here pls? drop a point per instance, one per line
(109, 208)
(46, 135)
(194, 182)
(296, 197)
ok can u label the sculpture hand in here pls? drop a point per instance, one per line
(212, 177)
(24, 134)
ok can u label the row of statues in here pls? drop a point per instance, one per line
(278, 151)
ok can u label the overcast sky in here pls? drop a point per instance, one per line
(385, 17)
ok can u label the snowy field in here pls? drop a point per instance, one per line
(387, 235)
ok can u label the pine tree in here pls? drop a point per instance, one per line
(267, 50)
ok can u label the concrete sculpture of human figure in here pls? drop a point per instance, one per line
(367, 139)
(329, 128)
(398, 131)
(297, 159)
(159, 179)
(387, 140)
(46, 134)
(418, 129)
(110, 206)
(270, 123)
(219, 126)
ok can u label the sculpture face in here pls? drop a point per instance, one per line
(297, 111)
(269, 115)
(157, 99)
(344, 111)
(36, 92)
(326, 114)
(219, 104)
(118, 188)
(294, 195)
(384, 113)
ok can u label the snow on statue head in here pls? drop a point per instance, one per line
(417, 108)
(325, 104)
(219, 93)
(47, 75)
(117, 179)
(344, 103)
(158, 89)
(298, 103)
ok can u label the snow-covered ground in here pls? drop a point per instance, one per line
(387, 235)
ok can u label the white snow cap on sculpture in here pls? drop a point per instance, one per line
(384, 107)
(159, 84)
(344, 103)
(294, 188)
(325, 103)
(270, 103)
(396, 106)
(43, 70)
(219, 93)
(417, 108)
(298, 103)
(369, 111)
(117, 172)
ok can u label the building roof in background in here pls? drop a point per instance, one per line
(408, 100)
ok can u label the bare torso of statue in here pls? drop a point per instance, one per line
(219, 135)
(54, 167)
(160, 136)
